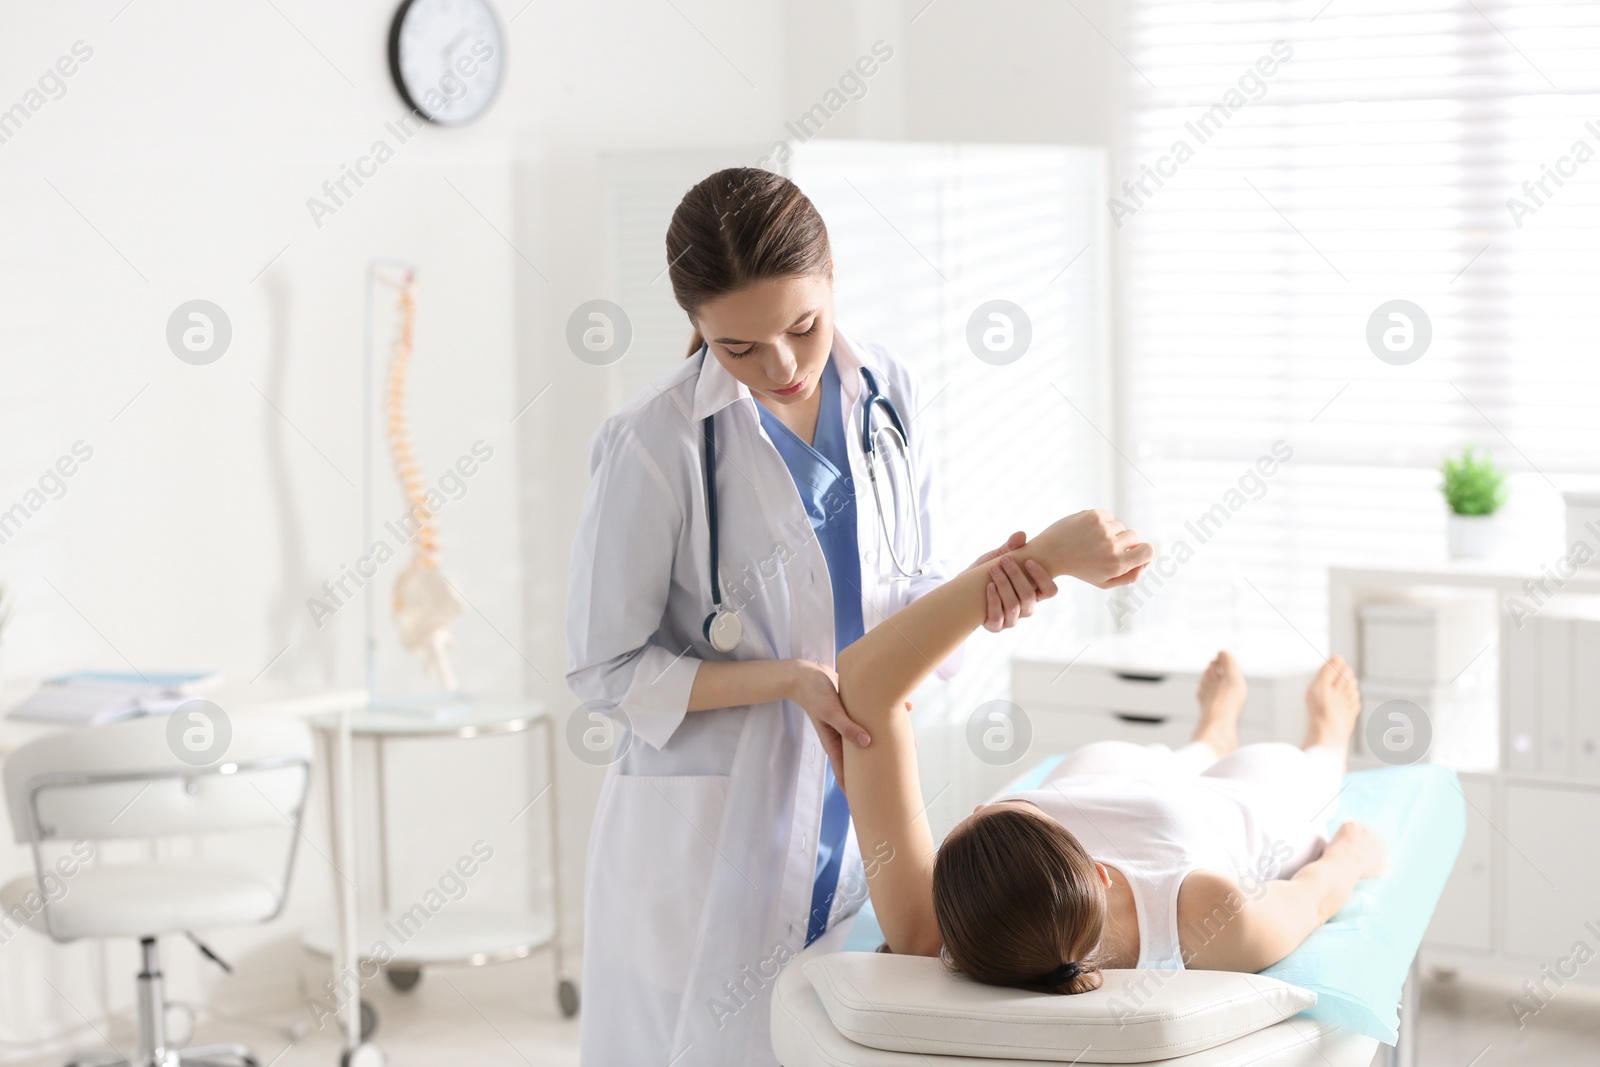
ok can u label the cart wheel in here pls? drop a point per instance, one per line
(567, 997)
(369, 1022)
(364, 1055)
(403, 979)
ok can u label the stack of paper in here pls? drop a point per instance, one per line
(89, 697)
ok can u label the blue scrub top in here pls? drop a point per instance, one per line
(821, 473)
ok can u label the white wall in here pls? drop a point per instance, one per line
(177, 165)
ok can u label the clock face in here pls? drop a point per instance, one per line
(446, 57)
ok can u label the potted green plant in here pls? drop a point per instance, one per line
(1474, 487)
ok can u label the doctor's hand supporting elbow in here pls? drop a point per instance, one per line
(813, 686)
(816, 689)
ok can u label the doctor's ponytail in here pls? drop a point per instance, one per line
(738, 227)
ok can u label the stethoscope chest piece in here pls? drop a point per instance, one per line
(724, 629)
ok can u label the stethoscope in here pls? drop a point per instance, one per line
(724, 629)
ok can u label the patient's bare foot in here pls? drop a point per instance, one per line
(1221, 696)
(1332, 705)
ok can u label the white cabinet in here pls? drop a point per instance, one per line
(1552, 869)
(1586, 700)
(1520, 696)
(1133, 688)
(1555, 695)
(1465, 916)
(1423, 641)
(1528, 877)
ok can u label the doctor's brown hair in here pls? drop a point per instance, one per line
(738, 227)
(1016, 897)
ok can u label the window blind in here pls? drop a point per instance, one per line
(1287, 169)
(924, 235)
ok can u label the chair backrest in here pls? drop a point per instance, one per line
(124, 780)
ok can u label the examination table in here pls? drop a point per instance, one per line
(1329, 1004)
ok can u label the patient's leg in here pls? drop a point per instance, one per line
(1221, 698)
(1122, 757)
(1131, 758)
(1332, 706)
(1302, 785)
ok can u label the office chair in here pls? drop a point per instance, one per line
(125, 781)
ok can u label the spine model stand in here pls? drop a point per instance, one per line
(425, 602)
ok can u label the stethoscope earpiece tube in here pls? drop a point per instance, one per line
(895, 431)
(708, 437)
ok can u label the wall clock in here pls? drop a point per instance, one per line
(446, 57)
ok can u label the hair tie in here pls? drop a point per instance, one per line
(1062, 974)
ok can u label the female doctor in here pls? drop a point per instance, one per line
(731, 543)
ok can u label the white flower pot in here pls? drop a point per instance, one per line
(1473, 536)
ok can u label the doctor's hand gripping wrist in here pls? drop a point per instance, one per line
(1015, 589)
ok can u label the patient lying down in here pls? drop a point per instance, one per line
(1127, 855)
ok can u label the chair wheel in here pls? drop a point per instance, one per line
(567, 997)
(364, 1055)
(403, 979)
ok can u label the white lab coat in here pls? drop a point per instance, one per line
(703, 850)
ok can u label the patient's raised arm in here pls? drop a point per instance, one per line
(879, 672)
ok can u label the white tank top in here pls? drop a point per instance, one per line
(1157, 830)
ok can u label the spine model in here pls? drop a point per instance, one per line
(425, 602)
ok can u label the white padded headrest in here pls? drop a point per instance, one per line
(915, 1004)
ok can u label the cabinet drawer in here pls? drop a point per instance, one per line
(1037, 684)
(1096, 686)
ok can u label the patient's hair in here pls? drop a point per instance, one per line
(1016, 896)
(738, 227)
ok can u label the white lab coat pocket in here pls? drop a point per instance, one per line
(656, 847)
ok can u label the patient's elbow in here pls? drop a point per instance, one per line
(849, 665)
(856, 692)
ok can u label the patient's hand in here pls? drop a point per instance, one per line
(1014, 589)
(1094, 547)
